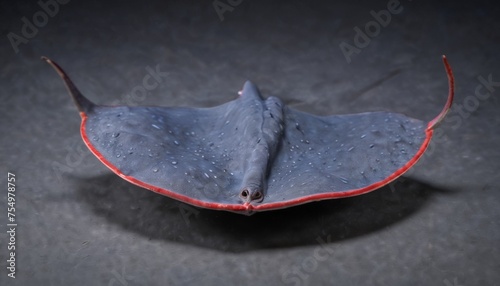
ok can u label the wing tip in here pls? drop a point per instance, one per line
(82, 103)
(451, 93)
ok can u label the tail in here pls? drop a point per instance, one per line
(451, 92)
(84, 105)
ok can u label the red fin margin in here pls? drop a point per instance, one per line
(451, 93)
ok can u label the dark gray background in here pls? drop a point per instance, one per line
(79, 224)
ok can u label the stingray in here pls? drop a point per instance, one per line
(252, 154)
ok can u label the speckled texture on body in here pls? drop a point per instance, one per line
(211, 155)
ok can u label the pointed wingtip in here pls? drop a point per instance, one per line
(84, 105)
(451, 93)
(250, 90)
(248, 84)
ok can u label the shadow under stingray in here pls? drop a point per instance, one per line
(159, 217)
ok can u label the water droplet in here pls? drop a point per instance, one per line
(174, 162)
(118, 155)
(155, 126)
(176, 142)
(116, 134)
(363, 136)
(344, 180)
(155, 170)
(206, 175)
(350, 149)
(372, 145)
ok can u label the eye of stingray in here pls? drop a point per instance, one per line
(245, 193)
(257, 195)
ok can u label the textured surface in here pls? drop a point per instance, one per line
(209, 156)
(79, 224)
